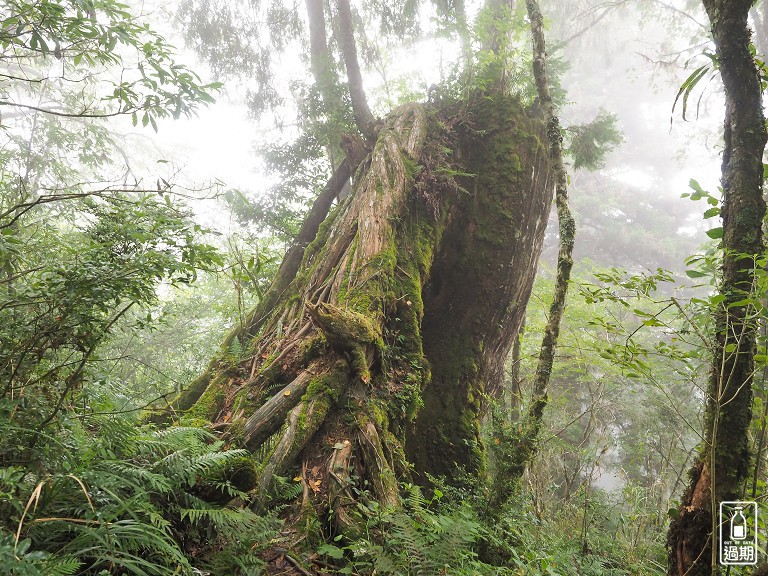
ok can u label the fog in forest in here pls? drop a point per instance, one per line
(250, 331)
(624, 60)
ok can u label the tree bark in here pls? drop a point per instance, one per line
(567, 229)
(285, 275)
(567, 224)
(723, 463)
(364, 119)
(476, 296)
(515, 449)
(380, 354)
(321, 60)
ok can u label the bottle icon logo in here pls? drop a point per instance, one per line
(737, 536)
(738, 525)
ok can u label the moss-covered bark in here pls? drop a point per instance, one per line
(480, 282)
(382, 351)
(723, 463)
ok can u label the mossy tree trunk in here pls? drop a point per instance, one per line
(516, 449)
(378, 357)
(723, 463)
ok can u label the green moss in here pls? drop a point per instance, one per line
(193, 422)
(235, 430)
(378, 413)
(386, 480)
(330, 384)
(399, 460)
(269, 369)
(187, 398)
(372, 296)
(312, 347)
(247, 401)
(241, 472)
(344, 329)
(211, 401)
(412, 168)
(359, 364)
(312, 415)
(344, 286)
(475, 242)
(323, 233)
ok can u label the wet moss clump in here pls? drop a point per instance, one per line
(210, 402)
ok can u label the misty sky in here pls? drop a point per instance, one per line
(619, 65)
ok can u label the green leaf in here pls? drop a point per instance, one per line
(712, 212)
(715, 233)
(673, 512)
(694, 185)
(331, 551)
(687, 87)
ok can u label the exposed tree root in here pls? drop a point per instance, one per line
(423, 271)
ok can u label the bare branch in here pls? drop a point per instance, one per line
(52, 112)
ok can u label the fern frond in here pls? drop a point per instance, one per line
(214, 461)
(415, 500)
(61, 566)
(183, 436)
(140, 476)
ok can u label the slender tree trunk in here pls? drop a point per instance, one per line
(321, 59)
(364, 119)
(567, 228)
(513, 458)
(722, 466)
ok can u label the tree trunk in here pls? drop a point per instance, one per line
(364, 119)
(382, 350)
(723, 463)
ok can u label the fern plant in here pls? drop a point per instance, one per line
(130, 500)
(416, 541)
